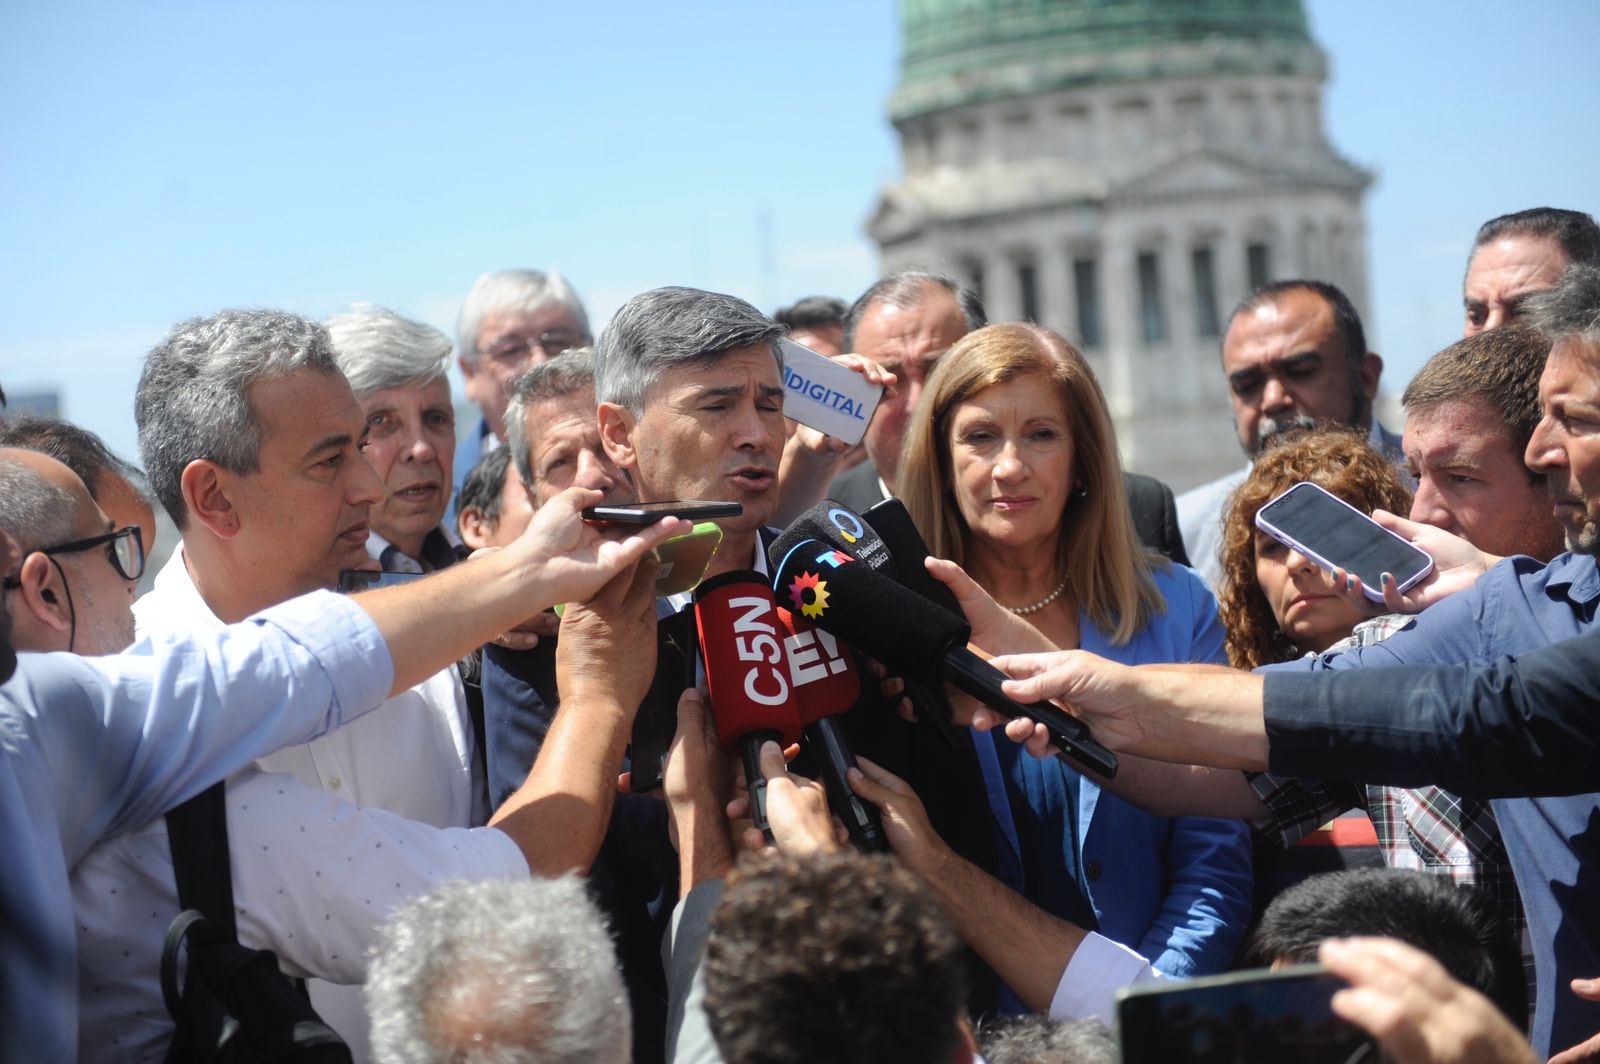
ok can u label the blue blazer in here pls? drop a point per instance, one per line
(1176, 889)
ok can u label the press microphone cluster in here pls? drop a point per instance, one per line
(907, 632)
(771, 679)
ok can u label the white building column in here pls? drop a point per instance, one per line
(1119, 297)
(1001, 299)
(1058, 303)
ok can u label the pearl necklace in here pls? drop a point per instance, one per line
(1023, 611)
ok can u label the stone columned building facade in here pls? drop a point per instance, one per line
(1123, 171)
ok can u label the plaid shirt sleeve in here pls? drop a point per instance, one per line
(1300, 806)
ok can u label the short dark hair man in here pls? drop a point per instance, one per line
(1456, 925)
(837, 957)
(492, 506)
(1518, 254)
(1294, 353)
(816, 322)
(1470, 412)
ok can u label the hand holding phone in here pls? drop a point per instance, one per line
(1336, 535)
(1258, 1016)
(826, 395)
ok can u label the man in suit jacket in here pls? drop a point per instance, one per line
(688, 404)
(904, 322)
(1294, 355)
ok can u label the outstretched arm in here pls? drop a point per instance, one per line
(1190, 714)
(1027, 947)
(431, 623)
(604, 664)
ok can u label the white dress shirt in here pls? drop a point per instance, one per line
(313, 879)
(414, 755)
(1089, 983)
(91, 746)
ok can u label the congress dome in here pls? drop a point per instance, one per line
(957, 52)
(1124, 172)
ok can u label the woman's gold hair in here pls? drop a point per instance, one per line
(1107, 567)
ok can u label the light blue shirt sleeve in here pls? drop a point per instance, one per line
(127, 737)
(90, 747)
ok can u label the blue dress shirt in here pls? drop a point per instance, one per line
(1554, 843)
(90, 747)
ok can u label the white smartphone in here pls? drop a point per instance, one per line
(1336, 535)
(829, 397)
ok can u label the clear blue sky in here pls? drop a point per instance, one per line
(163, 160)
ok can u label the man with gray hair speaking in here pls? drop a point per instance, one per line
(690, 391)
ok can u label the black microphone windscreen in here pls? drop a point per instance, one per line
(892, 522)
(838, 525)
(868, 610)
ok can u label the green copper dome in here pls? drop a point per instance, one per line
(958, 52)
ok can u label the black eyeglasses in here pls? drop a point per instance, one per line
(126, 553)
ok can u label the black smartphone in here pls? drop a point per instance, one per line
(1335, 534)
(648, 513)
(1251, 1017)
(351, 580)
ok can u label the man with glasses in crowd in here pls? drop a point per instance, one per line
(74, 588)
(511, 320)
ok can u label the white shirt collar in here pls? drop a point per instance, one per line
(173, 604)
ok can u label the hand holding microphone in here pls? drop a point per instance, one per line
(826, 684)
(913, 636)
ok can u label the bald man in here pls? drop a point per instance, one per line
(74, 587)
